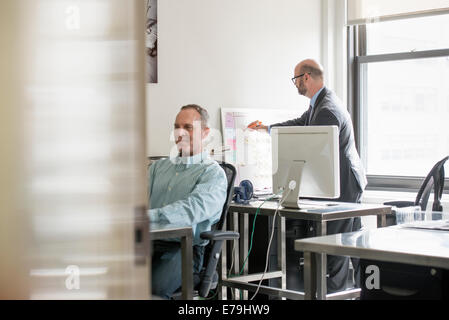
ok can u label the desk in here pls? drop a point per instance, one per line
(320, 216)
(392, 244)
(160, 231)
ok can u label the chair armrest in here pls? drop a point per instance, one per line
(400, 204)
(220, 235)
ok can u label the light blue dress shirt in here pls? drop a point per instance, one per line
(187, 191)
(313, 100)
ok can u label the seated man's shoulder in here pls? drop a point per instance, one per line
(214, 168)
(214, 172)
(164, 162)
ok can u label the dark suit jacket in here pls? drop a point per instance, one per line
(328, 111)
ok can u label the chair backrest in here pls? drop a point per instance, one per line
(208, 266)
(231, 173)
(434, 179)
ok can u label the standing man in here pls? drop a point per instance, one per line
(186, 190)
(327, 110)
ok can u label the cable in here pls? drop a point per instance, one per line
(232, 260)
(269, 243)
(211, 297)
(252, 236)
(251, 244)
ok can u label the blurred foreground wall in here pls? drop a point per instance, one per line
(72, 151)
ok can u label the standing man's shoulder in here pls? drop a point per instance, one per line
(330, 99)
(334, 105)
(332, 110)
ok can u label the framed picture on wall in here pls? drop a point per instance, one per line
(151, 41)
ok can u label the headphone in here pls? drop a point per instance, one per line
(244, 192)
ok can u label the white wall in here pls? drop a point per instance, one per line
(233, 54)
(333, 45)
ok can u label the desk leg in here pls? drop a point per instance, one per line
(281, 263)
(187, 267)
(236, 255)
(222, 291)
(381, 221)
(310, 276)
(244, 224)
(321, 265)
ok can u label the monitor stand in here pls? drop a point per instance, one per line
(290, 197)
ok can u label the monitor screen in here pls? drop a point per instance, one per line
(308, 155)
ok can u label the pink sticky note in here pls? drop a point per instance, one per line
(232, 143)
(230, 123)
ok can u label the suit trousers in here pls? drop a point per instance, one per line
(338, 266)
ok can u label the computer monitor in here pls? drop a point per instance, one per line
(306, 162)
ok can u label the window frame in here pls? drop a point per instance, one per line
(357, 60)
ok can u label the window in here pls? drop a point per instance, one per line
(408, 35)
(399, 85)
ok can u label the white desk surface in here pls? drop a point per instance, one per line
(315, 210)
(395, 244)
(154, 226)
(160, 231)
(163, 231)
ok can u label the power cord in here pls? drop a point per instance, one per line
(252, 236)
(291, 187)
(211, 297)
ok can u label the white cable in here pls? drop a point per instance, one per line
(232, 260)
(269, 243)
(233, 250)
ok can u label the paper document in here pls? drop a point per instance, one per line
(429, 225)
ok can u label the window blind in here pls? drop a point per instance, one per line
(369, 11)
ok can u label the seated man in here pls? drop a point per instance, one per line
(189, 189)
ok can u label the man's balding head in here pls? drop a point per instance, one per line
(311, 66)
(309, 77)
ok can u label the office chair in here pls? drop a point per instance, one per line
(435, 179)
(207, 279)
(405, 281)
(209, 275)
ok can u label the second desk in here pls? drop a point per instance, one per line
(318, 212)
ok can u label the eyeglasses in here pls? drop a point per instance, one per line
(301, 75)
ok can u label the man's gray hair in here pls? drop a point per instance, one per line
(203, 113)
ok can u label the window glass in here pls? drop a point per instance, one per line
(417, 34)
(405, 116)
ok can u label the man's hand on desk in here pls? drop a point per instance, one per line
(257, 125)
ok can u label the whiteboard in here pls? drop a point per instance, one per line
(250, 150)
